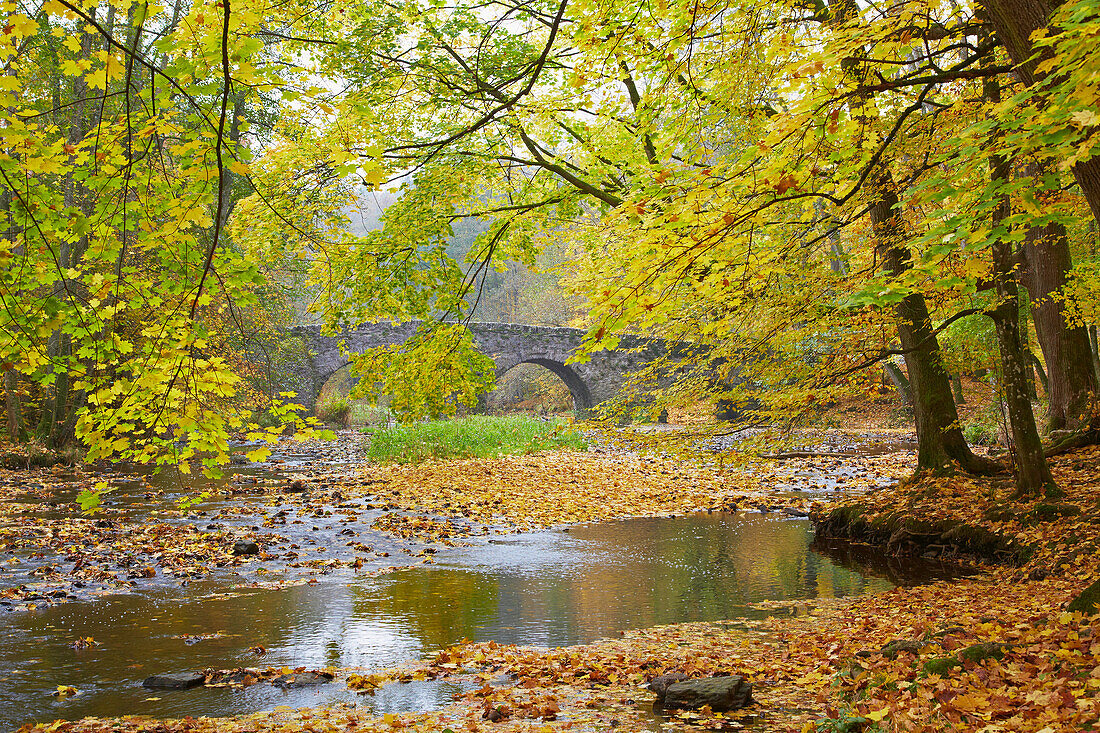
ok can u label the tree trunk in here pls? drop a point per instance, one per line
(1040, 373)
(12, 403)
(957, 389)
(1025, 343)
(1014, 21)
(1066, 349)
(1094, 347)
(13, 407)
(939, 435)
(900, 381)
(1032, 472)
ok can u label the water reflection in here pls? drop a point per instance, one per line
(546, 588)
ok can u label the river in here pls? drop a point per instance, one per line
(547, 588)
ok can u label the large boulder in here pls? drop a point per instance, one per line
(660, 683)
(721, 694)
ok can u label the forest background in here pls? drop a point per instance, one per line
(804, 191)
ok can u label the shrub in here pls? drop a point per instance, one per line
(334, 410)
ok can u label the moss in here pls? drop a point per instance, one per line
(980, 652)
(892, 648)
(17, 461)
(901, 532)
(852, 670)
(1049, 512)
(941, 666)
(1088, 601)
(1000, 513)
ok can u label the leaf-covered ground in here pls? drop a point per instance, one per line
(567, 487)
(990, 653)
(372, 518)
(971, 655)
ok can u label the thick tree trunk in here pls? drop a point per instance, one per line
(1032, 471)
(1066, 349)
(1094, 347)
(1014, 21)
(957, 389)
(939, 435)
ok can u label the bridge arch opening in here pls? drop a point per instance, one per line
(578, 390)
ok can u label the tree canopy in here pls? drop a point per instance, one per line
(803, 189)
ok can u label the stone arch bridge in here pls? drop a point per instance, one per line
(506, 344)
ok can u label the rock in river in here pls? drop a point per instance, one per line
(182, 681)
(660, 684)
(244, 547)
(720, 693)
(302, 679)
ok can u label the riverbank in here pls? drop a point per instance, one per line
(884, 662)
(1017, 650)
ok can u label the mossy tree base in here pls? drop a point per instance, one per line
(1088, 602)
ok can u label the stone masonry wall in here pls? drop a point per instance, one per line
(506, 344)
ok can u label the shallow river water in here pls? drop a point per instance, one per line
(547, 588)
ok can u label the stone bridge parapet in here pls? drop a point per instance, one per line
(507, 344)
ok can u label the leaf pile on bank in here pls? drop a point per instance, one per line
(955, 515)
(979, 654)
(993, 654)
(565, 487)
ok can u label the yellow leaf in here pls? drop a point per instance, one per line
(878, 715)
(1086, 117)
(258, 454)
(374, 176)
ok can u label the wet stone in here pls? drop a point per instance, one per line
(244, 547)
(183, 681)
(302, 679)
(660, 683)
(720, 693)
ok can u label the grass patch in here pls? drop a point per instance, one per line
(333, 410)
(369, 416)
(478, 436)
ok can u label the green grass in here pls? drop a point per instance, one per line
(368, 416)
(478, 436)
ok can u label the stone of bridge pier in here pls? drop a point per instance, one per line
(507, 344)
